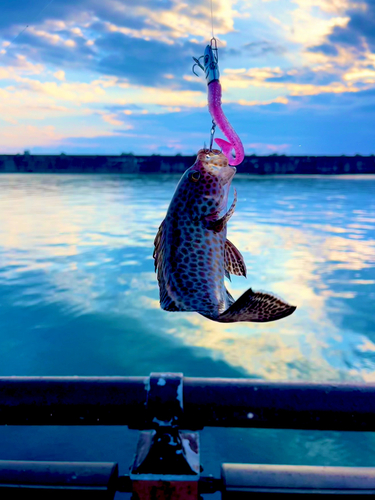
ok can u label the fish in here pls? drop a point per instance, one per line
(192, 254)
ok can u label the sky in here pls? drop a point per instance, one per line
(115, 76)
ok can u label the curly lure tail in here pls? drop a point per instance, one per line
(234, 142)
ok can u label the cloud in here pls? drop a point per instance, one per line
(66, 98)
(291, 82)
(23, 106)
(77, 92)
(193, 17)
(17, 137)
(115, 120)
(308, 125)
(124, 67)
(356, 35)
(359, 31)
(262, 48)
(325, 48)
(147, 43)
(24, 136)
(278, 100)
(315, 19)
(60, 75)
(145, 62)
(20, 65)
(111, 119)
(261, 148)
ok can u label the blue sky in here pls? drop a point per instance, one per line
(94, 77)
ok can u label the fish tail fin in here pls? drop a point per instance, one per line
(258, 307)
(225, 146)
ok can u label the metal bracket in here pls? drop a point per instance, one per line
(164, 400)
(165, 455)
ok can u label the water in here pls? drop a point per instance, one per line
(78, 296)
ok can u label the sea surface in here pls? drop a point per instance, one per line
(79, 296)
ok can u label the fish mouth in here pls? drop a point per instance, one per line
(226, 189)
(225, 184)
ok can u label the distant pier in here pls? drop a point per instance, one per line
(155, 164)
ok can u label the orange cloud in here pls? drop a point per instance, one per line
(19, 136)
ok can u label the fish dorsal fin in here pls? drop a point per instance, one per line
(166, 301)
(234, 263)
(158, 247)
(258, 307)
(219, 225)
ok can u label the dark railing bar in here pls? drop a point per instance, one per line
(73, 400)
(242, 480)
(207, 402)
(101, 480)
(76, 480)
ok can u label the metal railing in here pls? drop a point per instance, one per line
(169, 408)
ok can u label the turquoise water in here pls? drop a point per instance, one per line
(78, 296)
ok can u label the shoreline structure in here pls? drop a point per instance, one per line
(157, 164)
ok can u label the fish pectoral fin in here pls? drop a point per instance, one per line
(233, 260)
(258, 307)
(219, 224)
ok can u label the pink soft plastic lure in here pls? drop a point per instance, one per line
(214, 105)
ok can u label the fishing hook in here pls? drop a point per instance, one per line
(212, 134)
(198, 63)
(211, 69)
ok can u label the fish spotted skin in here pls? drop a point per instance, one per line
(192, 254)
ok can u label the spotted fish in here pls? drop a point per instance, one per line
(192, 253)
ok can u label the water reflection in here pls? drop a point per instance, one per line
(86, 243)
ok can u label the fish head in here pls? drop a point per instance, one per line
(204, 187)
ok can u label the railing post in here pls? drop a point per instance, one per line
(167, 462)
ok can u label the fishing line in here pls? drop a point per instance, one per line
(213, 40)
(212, 22)
(27, 25)
(20, 33)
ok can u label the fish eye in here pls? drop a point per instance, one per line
(195, 176)
(207, 157)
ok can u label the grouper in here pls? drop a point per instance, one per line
(192, 254)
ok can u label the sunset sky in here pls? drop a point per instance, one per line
(113, 76)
